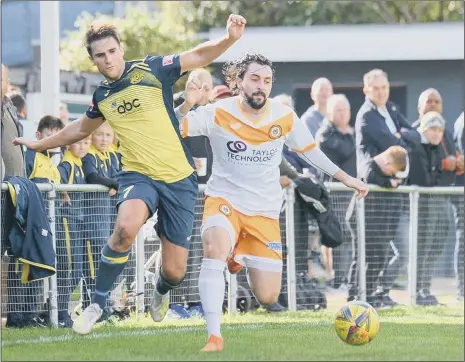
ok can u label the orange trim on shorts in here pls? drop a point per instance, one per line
(251, 135)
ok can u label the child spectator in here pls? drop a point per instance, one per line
(70, 239)
(39, 165)
(97, 214)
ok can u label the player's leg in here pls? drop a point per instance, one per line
(220, 228)
(137, 202)
(261, 252)
(174, 226)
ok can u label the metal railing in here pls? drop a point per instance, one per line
(369, 236)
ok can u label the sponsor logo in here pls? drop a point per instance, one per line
(136, 77)
(225, 209)
(126, 106)
(44, 232)
(275, 246)
(107, 93)
(236, 146)
(168, 60)
(275, 132)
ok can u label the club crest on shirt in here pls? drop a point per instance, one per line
(275, 132)
(136, 77)
(225, 209)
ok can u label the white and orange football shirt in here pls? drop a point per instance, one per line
(247, 152)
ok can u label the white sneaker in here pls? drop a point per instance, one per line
(159, 304)
(85, 322)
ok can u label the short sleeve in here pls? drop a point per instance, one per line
(166, 68)
(89, 165)
(65, 169)
(300, 139)
(198, 122)
(93, 111)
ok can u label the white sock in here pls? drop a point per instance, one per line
(211, 288)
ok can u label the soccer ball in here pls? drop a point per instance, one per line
(357, 323)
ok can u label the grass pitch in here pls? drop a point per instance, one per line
(433, 333)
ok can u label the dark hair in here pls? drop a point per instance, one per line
(97, 31)
(18, 101)
(50, 122)
(237, 68)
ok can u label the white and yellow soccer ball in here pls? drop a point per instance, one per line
(357, 323)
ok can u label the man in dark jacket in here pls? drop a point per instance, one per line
(426, 170)
(336, 139)
(378, 127)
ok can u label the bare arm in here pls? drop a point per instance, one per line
(72, 133)
(205, 53)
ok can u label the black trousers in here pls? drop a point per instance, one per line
(432, 227)
(382, 212)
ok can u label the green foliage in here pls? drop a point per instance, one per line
(202, 15)
(142, 33)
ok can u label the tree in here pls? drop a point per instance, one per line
(142, 33)
(202, 15)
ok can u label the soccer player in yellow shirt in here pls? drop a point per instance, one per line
(136, 99)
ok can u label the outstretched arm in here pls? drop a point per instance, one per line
(205, 53)
(72, 133)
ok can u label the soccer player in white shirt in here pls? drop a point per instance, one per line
(243, 196)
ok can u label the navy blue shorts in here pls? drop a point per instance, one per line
(175, 203)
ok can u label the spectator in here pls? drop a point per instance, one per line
(431, 101)
(64, 114)
(98, 217)
(426, 170)
(321, 90)
(285, 99)
(379, 121)
(199, 146)
(381, 218)
(70, 244)
(29, 128)
(336, 140)
(336, 137)
(13, 157)
(459, 137)
(39, 165)
(378, 127)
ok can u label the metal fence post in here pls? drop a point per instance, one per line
(290, 247)
(53, 290)
(360, 212)
(140, 273)
(412, 248)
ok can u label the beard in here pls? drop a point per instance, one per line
(254, 103)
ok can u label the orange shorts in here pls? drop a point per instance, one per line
(256, 240)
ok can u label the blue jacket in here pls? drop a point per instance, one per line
(28, 229)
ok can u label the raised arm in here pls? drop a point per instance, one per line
(73, 132)
(205, 53)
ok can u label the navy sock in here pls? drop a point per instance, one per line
(111, 265)
(164, 285)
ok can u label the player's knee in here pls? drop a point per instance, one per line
(124, 235)
(267, 297)
(174, 271)
(216, 243)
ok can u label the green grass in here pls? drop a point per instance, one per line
(406, 334)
